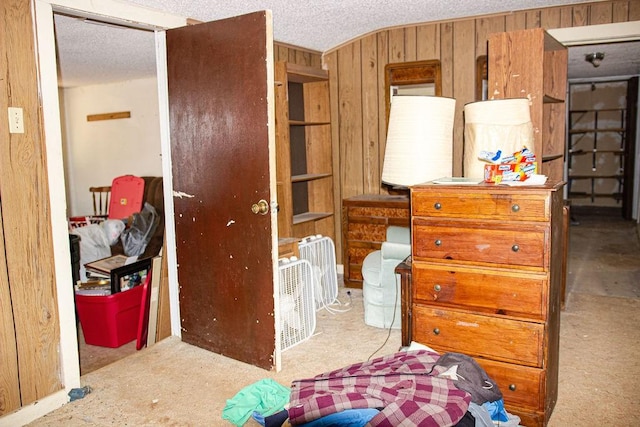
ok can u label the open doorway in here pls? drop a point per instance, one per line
(618, 46)
(601, 145)
(110, 127)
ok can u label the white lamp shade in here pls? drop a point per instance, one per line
(419, 140)
(501, 124)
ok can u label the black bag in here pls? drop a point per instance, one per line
(137, 236)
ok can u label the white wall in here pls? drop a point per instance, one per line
(97, 151)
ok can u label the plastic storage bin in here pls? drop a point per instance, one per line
(112, 320)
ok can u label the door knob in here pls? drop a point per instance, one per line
(262, 207)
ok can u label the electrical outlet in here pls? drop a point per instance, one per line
(16, 120)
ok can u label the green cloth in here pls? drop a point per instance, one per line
(265, 397)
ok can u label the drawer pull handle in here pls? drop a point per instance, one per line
(512, 387)
(437, 288)
(438, 242)
(437, 205)
(515, 208)
(515, 248)
(436, 331)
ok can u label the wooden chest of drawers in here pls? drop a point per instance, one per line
(364, 224)
(486, 281)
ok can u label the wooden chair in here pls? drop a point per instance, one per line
(100, 197)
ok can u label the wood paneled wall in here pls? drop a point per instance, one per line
(356, 70)
(30, 332)
(296, 55)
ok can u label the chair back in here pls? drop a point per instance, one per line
(100, 197)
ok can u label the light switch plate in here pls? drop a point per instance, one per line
(16, 120)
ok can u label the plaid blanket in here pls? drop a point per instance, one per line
(401, 385)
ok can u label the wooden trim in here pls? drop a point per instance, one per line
(109, 116)
(409, 73)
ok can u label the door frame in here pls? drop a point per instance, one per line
(605, 33)
(106, 10)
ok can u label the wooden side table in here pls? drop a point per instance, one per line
(364, 225)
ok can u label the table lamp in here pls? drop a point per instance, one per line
(419, 140)
(500, 124)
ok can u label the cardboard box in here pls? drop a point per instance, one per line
(111, 320)
(509, 171)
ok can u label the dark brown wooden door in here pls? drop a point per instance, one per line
(218, 81)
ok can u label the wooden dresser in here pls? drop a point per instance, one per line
(486, 281)
(365, 220)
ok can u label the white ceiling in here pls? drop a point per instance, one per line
(90, 53)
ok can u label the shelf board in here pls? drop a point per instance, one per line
(596, 176)
(551, 100)
(576, 195)
(591, 110)
(303, 74)
(309, 177)
(304, 123)
(550, 157)
(310, 216)
(580, 131)
(594, 151)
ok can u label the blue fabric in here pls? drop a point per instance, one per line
(346, 418)
(265, 397)
(496, 410)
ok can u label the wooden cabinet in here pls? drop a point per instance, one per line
(485, 281)
(365, 220)
(532, 64)
(304, 155)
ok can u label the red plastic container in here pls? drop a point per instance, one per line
(126, 196)
(112, 320)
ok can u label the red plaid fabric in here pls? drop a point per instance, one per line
(400, 385)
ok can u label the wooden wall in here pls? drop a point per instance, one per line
(29, 330)
(296, 55)
(356, 70)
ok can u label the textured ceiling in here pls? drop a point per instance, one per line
(92, 54)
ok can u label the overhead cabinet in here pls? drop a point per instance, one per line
(304, 154)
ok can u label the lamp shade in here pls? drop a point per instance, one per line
(419, 140)
(500, 124)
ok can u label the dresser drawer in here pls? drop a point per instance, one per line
(497, 291)
(461, 241)
(506, 206)
(520, 385)
(477, 335)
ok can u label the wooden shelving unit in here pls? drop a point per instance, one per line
(596, 153)
(532, 64)
(304, 164)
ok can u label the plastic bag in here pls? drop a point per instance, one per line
(94, 245)
(137, 236)
(112, 229)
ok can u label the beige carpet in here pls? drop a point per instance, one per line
(175, 384)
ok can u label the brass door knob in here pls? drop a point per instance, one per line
(262, 207)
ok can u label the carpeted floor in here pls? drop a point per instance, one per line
(175, 384)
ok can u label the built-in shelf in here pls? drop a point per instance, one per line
(304, 151)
